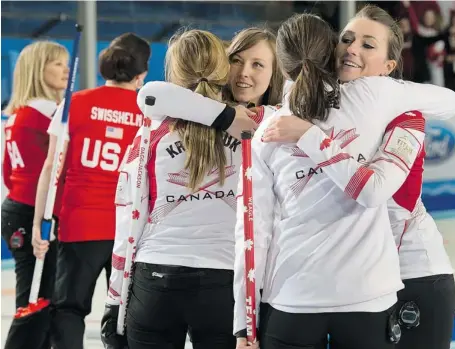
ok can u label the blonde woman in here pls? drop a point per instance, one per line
(40, 78)
(185, 256)
(102, 123)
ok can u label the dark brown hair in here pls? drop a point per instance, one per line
(126, 57)
(306, 51)
(396, 39)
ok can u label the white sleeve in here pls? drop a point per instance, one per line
(123, 217)
(179, 103)
(263, 218)
(434, 102)
(55, 127)
(374, 183)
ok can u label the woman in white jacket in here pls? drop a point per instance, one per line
(364, 95)
(427, 303)
(183, 265)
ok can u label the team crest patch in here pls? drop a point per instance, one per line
(17, 239)
(403, 145)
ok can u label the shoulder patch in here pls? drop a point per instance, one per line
(403, 145)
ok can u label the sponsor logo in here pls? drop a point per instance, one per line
(439, 142)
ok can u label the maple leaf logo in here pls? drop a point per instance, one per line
(147, 122)
(126, 275)
(248, 244)
(136, 214)
(251, 275)
(248, 173)
(325, 143)
(130, 239)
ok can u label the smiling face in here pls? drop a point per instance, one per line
(251, 72)
(363, 50)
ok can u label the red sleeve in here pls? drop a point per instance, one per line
(410, 191)
(7, 168)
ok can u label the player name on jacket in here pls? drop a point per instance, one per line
(178, 148)
(116, 116)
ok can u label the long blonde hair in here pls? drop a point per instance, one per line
(197, 60)
(28, 77)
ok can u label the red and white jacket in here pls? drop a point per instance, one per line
(329, 247)
(179, 227)
(26, 148)
(419, 242)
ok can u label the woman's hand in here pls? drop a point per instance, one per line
(40, 246)
(243, 344)
(242, 122)
(286, 129)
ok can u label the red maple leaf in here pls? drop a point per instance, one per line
(325, 143)
(136, 214)
(147, 122)
(126, 274)
(130, 239)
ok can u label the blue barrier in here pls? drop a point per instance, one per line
(12, 47)
(10, 51)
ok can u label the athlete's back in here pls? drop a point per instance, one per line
(185, 227)
(26, 149)
(333, 231)
(102, 124)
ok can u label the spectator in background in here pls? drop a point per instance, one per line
(427, 41)
(407, 53)
(449, 63)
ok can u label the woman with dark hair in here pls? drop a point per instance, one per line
(102, 123)
(367, 43)
(330, 265)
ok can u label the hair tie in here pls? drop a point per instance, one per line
(202, 79)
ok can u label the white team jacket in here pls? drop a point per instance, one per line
(181, 228)
(332, 248)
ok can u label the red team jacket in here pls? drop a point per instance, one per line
(102, 124)
(26, 145)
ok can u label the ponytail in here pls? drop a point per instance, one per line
(197, 60)
(204, 146)
(315, 90)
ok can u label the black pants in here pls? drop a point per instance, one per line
(356, 330)
(17, 223)
(166, 302)
(79, 265)
(435, 297)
